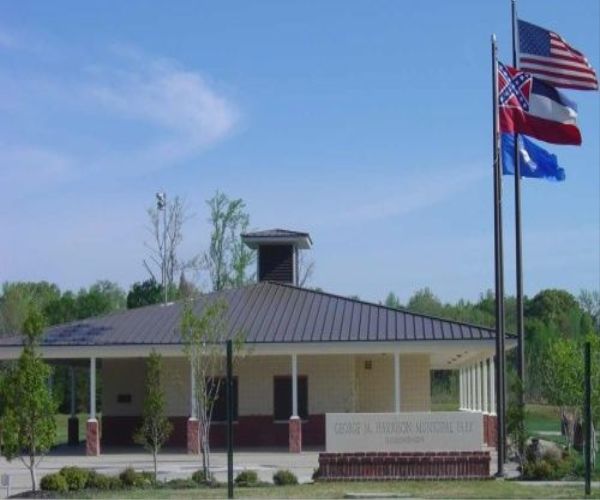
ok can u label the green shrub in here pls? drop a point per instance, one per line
(180, 484)
(76, 477)
(549, 468)
(199, 478)
(132, 479)
(316, 474)
(54, 482)
(99, 481)
(284, 478)
(247, 478)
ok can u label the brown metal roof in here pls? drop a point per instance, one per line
(266, 313)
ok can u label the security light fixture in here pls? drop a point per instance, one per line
(161, 200)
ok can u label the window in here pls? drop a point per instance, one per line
(220, 406)
(282, 398)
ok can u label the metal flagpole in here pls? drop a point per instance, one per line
(499, 270)
(518, 240)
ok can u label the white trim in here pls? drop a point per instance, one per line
(478, 386)
(479, 348)
(294, 386)
(485, 381)
(92, 388)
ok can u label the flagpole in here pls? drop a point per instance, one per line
(499, 270)
(518, 235)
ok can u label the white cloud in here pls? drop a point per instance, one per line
(189, 113)
(415, 193)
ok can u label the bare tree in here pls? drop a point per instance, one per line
(306, 269)
(166, 224)
(227, 259)
(204, 337)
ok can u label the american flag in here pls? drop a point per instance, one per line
(548, 56)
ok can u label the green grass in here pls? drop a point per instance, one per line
(62, 429)
(421, 489)
(542, 418)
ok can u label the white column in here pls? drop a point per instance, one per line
(92, 388)
(467, 388)
(463, 379)
(492, 386)
(473, 389)
(485, 380)
(193, 400)
(478, 385)
(461, 390)
(294, 386)
(397, 382)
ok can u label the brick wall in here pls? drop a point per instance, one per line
(378, 466)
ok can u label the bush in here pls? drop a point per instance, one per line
(180, 484)
(101, 482)
(316, 474)
(54, 482)
(75, 477)
(284, 478)
(549, 468)
(199, 477)
(247, 478)
(132, 479)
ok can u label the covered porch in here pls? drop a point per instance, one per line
(281, 392)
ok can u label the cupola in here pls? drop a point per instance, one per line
(277, 253)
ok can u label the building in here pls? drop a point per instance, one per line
(307, 353)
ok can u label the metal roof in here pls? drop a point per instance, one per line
(300, 239)
(266, 312)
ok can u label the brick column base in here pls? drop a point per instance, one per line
(490, 426)
(295, 433)
(73, 431)
(92, 438)
(193, 436)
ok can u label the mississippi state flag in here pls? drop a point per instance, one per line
(530, 106)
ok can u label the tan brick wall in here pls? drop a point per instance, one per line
(330, 382)
(376, 385)
(122, 376)
(415, 383)
(336, 383)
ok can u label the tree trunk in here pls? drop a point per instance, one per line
(154, 458)
(32, 472)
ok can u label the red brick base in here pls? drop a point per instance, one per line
(92, 438)
(490, 426)
(193, 436)
(295, 430)
(408, 465)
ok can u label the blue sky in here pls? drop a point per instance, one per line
(367, 124)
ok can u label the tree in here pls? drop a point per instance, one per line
(144, 294)
(18, 298)
(392, 301)
(156, 428)
(589, 300)
(563, 381)
(306, 269)
(28, 426)
(204, 337)
(166, 225)
(425, 302)
(227, 259)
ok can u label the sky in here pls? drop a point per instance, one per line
(366, 124)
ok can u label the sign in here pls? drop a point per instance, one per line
(439, 431)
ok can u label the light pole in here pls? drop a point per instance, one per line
(161, 205)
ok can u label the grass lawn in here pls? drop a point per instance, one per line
(62, 430)
(421, 489)
(542, 418)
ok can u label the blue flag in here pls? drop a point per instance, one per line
(534, 161)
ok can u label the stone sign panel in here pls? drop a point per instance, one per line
(401, 432)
